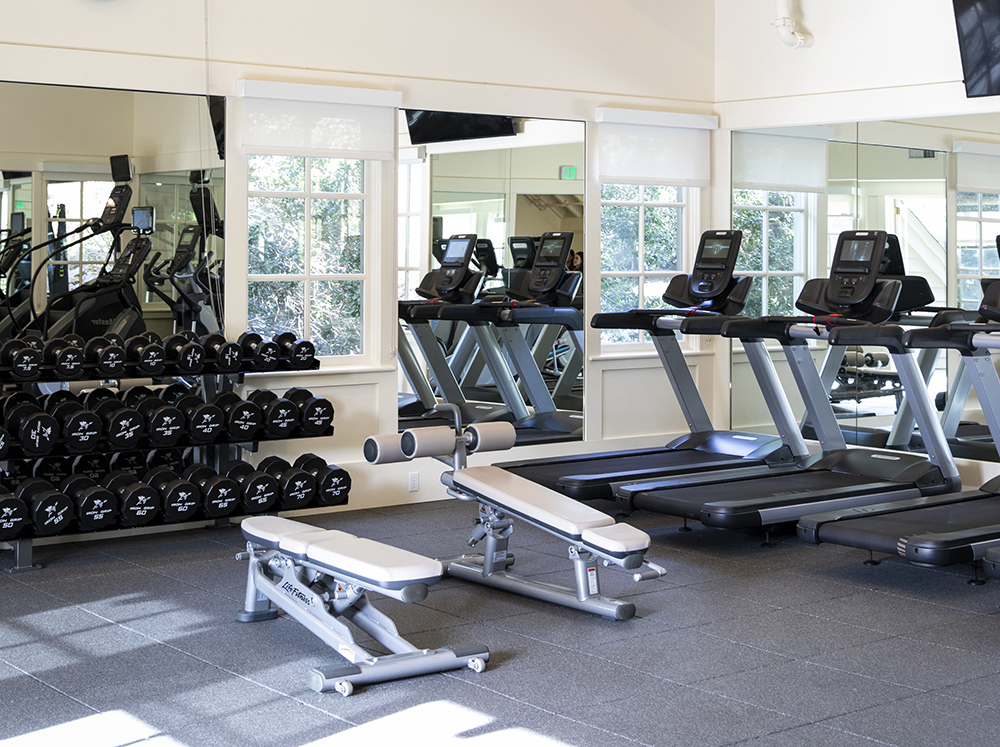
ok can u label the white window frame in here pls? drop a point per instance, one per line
(981, 223)
(411, 222)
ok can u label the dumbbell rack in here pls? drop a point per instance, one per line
(23, 364)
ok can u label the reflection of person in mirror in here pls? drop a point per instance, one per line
(575, 262)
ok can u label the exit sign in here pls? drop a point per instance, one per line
(567, 172)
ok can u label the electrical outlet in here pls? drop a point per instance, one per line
(414, 482)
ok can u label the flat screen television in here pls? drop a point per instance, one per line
(978, 23)
(441, 127)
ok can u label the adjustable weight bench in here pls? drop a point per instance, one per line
(593, 537)
(318, 576)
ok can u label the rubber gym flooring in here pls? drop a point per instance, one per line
(134, 641)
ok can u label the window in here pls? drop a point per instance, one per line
(410, 233)
(641, 248)
(306, 249)
(773, 250)
(69, 204)
(977, 229)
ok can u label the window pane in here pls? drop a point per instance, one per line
(781, 199)
(96, 249)
(414, 242)
(619, 294)
(337, 322)
(748, 196)
(276, 174)
(653, 287)
(781, 296)
(619, 238)
(276, 306)
(968, 293)
(95, 197)
(416, 188)
(275, 230)
(968, 204)
(619, 192)
(337, 241)
(967, 239)
(660, 237)
(338, 175)
(781, 242)
(751, 223)
(755, 299)
(660, 194)
(991, 204)
(68, 195)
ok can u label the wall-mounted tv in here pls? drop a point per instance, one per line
(978, 23)
(440, 127)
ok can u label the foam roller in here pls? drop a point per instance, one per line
(384, 449)
(490, 436)
(424, 442)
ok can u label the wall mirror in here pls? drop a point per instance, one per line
(56, 144)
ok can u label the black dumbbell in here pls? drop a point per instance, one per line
(220, 495)
(106, 355)
(66, 359)
(131, 461)
(35, 429)
(138, 503)
(93, 397)
(15, 517)
(185, 356)
(169, 458)
(81, 428)
(148, 354)
(52, 469)
(24, 360)
(17, 470)
(123, 426)
(95, 465)
(181, 498)
(243, 418)
(281, 417)
(301, 354)
(96, 507)
(298, 487)
(264, 354)
(225, 356)
(315, 413)
(164, 423)
(205, 421)
(51, 510)
(260, 491)
(332, 483)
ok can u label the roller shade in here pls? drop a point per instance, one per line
(641, 153)
(977, 166)
(313, 120)
(779, 162)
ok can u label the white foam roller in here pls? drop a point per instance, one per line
(384, 449)
(424, 442)
(490, 436)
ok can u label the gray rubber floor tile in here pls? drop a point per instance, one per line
(685, 716)
(911, 663)
(814, 735)
(687, 655)
(46, 627)
(805, 690)
(472, 601)
(984, 691)
(791, 633)
(889, 613)
(927, 719)
(30, 705)
(779, 588)
(980, 634)
(506, 649)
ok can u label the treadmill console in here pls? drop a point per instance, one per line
(550, 261)
(522, 251)
(714, 263)
(186, 246)
(114, 209)
(855, 269)
(455, 262)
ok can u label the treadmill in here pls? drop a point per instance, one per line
(958, 527)
(703, 301)
(847, 309)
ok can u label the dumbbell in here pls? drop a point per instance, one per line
(281, 417)
(138, 503)
(15, 517)
(147, 352)
(220, 495)
(96, 507)
(164, 423)
(24, 360)
(298, 487)
(333, 484)
(185, 356)
(181, 498)
(264, 354)
(301, 354)
(243, 418)
(315, 413)
(66, 359)
(260, 491)
(169, 458)
(123, 426)
(51, 511)
(106, 355)
(205, 421)
(226, 356)
(81, 428)
(35, 429)
(52, 469)
(94, 465)
(131, 461)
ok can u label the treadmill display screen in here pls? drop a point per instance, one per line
(551, 250)
(454, 254)
(856, 250)
(715, 250)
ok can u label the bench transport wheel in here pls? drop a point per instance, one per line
(344, 687)
(477, 665)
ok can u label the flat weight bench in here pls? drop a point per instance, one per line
(592, 536)
(318, 576)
